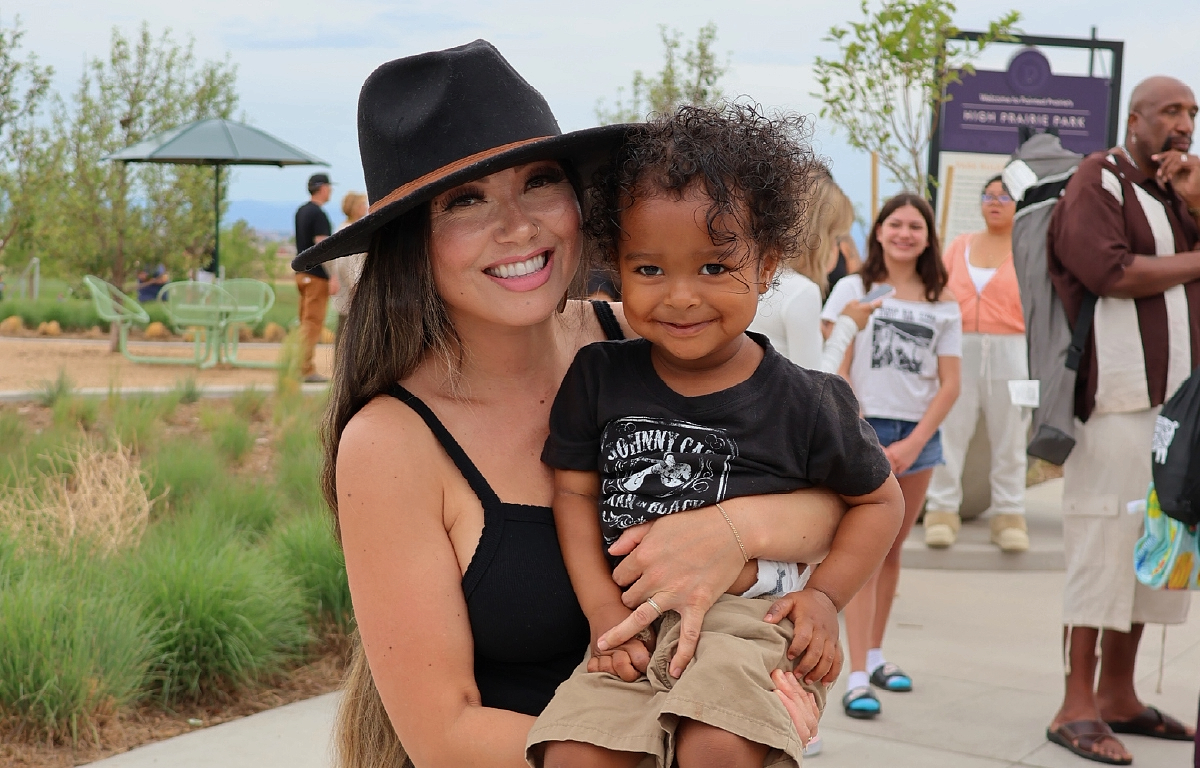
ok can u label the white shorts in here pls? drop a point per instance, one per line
(1108, 468)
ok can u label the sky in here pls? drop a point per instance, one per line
(301, 63)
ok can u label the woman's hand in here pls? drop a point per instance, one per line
(801, 706)
(902, 454)
(684, 561)
(860, 313)
(628, 660)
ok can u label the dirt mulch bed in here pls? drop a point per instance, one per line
(147, 723)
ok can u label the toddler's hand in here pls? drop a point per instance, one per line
(815, 642)
(628, 660)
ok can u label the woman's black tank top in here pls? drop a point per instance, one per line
(528, 629)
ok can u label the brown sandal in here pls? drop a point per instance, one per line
(1081, 737)
(1155, 723)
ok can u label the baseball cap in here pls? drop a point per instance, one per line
(316, 181)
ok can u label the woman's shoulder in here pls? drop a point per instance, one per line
(388, 433)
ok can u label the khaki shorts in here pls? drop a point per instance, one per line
(728, 685)
(1108, 468)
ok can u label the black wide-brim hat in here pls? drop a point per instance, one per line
(430, 122)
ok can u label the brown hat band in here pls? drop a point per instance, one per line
(407, 189)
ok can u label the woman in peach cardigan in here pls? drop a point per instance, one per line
(983, 279)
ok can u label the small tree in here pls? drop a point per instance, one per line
(690, 78)
(886, 88)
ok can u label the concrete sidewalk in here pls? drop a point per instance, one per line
(983, 648)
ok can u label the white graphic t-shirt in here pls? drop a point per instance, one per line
(894, 371)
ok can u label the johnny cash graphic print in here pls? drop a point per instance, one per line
(902, 339)
(652, 467)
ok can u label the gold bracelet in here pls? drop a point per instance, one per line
(736, 535)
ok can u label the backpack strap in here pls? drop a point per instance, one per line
(1083, 327)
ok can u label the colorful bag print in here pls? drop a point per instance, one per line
(1167, 556)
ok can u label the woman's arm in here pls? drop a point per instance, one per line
(406, 581)
(903, 453)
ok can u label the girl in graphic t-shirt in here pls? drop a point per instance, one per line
(905, 367)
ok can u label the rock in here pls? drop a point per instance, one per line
(326, 336)
(51, 328)
(274, 332)
(11, 326)
(245, 333)
(190, 334)
(95, 332)
(157, 331)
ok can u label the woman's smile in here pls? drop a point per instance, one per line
(523, 274)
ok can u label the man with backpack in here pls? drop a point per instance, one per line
(1125, 232)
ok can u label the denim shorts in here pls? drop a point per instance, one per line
(892, 430)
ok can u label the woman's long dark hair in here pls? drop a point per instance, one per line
(929, 263)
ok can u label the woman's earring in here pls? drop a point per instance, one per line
(562, 304)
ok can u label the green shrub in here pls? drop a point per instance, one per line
(70, 412)
(250, 403)
(228, 615)
(12, 431)
(231, 435)
(298, 463)
(71, 314)
(188, 390)
(71, 644)
(135, 421)
(50, 392)
(247, 506)
(181, 469)
(307, 551)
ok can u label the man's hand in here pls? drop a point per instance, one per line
(815, 640)
(1182, 172)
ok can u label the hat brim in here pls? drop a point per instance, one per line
(585, 150)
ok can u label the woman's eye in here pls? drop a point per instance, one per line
(648, 271)
(713, 269)
(463, 199)
(545, 178)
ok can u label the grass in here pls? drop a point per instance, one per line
(231, 435)
(307, 551)
(81, 412)
(248, 507)
(71, 645)
(299, 461)
(136, 420)
(228, 616)
(50, 392)
(180, 469)
(188, 390)
(250, 404)
(12, 431)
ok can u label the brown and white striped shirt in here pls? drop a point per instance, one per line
(1140, 350)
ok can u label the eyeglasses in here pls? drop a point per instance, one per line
(996, 198)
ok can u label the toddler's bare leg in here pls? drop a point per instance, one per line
(699, 745)
(575, 754)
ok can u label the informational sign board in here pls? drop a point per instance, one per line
(978, 126)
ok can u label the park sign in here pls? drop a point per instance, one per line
(986, 109)
(980, 119)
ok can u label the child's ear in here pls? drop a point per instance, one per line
(767, 267)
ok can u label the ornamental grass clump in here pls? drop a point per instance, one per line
(72, 645)
(228, 615)
(248, 507)
(181, 469)
(307, 551)
(137, 420)
(71, 411)
(250, 404)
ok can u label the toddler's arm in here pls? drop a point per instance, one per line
(576, 502)
(863, 539)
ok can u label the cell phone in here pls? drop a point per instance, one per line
(881, 291)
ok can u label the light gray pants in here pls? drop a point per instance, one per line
(989, 362)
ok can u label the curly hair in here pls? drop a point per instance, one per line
(756, 170)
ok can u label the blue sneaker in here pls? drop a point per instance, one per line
(889, 677)
(861, 704)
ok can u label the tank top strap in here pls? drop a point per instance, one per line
(608, 320)
(467, 467)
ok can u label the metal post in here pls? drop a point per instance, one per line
(1092, 53)
(216, 262)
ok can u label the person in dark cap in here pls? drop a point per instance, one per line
(314, 284)
(461, 329)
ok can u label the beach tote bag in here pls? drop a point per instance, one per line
(1167, 556)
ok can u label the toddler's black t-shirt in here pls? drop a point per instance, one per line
(659, 452)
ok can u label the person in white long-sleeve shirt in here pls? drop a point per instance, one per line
(790, 313)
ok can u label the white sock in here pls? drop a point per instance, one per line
(858, 680)
(875, 659)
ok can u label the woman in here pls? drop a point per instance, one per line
(847, 261)
(983, 279)
(790, 313)
(347, 268)
(905, 369)
(459, 335)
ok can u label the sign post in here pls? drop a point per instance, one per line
(978, 125)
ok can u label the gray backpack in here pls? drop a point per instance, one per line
(1036, 177)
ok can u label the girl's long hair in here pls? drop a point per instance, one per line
(830, 216)
(929, 263)
(396, 320)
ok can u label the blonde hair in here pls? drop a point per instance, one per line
(830, 216)
(350, 202)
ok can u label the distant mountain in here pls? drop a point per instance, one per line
(272, 217)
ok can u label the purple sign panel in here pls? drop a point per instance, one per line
(987, 108)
